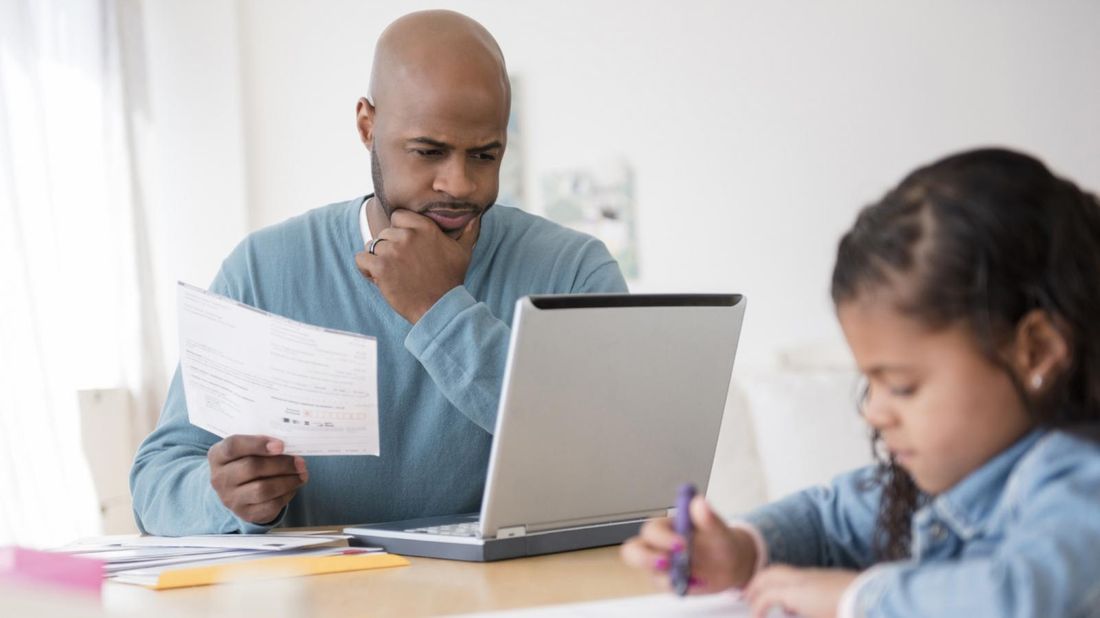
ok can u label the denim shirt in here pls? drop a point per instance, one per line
(1020, 536)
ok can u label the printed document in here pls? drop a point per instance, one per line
(249, 372)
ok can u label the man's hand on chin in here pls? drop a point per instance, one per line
(415, 263)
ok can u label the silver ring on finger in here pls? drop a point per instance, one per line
(373, 244)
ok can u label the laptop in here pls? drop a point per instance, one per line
(609, 403)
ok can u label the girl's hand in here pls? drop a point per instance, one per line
(721, 558)
(813, 593)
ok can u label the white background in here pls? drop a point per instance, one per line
(757, 129)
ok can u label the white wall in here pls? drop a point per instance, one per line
(756, 129)
(192, 157)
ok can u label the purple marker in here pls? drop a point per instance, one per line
(680, 570)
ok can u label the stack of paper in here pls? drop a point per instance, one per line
(176, 562)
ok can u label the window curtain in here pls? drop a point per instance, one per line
(75, 278)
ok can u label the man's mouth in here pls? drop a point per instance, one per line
(451, 220)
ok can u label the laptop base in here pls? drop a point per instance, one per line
(488, 550)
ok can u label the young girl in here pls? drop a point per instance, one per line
(970, 298)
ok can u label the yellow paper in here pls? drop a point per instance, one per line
(287, 566)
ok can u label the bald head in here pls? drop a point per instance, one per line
(437, 49)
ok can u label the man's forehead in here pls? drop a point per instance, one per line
(444, 116)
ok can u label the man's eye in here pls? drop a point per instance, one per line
(427, 152)
(485, 156)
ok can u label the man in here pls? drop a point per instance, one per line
(427, 265)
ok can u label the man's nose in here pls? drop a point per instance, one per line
(454, 179)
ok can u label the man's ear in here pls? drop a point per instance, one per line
(364, 122)
(1042, 351)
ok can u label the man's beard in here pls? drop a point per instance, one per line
(379, 186)
(380, 193)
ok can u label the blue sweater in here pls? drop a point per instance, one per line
(438, 381)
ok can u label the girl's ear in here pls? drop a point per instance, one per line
(1041, 351)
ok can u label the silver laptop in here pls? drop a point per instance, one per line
(609, 404)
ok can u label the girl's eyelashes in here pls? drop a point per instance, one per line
(903, 391)
(894, 389)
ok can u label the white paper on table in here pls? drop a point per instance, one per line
(148, 575)
(266, 542)
(120, 555)
(112, 568)
(126, 553)
(724, 605)
(250, 372)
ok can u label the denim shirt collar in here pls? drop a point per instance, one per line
(966, 506)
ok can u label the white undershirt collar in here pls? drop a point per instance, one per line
(364, 228)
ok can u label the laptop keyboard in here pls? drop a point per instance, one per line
(469, 528)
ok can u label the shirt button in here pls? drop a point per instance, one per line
(937, 531)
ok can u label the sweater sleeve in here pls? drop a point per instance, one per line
(170, 477)
(464, 347)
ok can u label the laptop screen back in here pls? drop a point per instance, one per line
(608, 404)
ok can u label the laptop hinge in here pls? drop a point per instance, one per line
(593, 521)
(511, 532)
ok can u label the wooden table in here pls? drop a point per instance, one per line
(427, 587)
